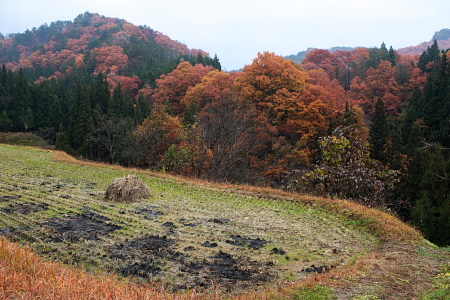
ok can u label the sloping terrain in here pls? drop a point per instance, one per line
(203, 236)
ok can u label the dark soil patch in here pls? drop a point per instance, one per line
(146, 253)
(320, 269)
(12, 233)
(226, 271)
(141, 269)
(254, 244)
(56, 187)
(208, 244)
(147, 257)
(278, 251)
(17, 234)
(24, 208)
(8, 198)
(170, 225)
(88, 226)
(59, 186)
(185, 222)
(221, 221)
(150, 212)
(189, 248)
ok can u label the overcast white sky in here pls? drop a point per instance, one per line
(236, 30)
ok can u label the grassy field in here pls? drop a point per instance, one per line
(194, 238)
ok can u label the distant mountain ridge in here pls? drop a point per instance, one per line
(442, 37)
(300, 56)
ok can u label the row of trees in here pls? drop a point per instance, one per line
(367, 124)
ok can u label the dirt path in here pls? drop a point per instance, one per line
(393, 271)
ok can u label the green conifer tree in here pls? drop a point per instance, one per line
(62, 140)
(384, 52)
(349, 115)
(28, 119)
(56, 113)
(81, 120)
(431, 212)
(432, 54)
(120, 106)
(216, 63)
(391, 56)
(142, 109)
(379, 133)
(5, 122)
(100, 93)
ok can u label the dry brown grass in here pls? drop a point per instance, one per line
(384, 225)
(25, 275)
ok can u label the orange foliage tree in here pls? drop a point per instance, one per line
(215, 86)
(155, 135)
(224, 125)
(379, 83)
(273, 87)
(130, 85)
(173, 87)
(110, 59)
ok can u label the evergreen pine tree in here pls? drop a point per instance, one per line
(391, 56)
(56, 113)
(379, 133)
(5, 122)
(416, 136)
(120, 105)
(3, 75)
(200, 59)
(384, 52)
(18, 89)
(431, 212)
(349, 115)
(432, 54)
(43, 100)
(216, 63)
(142, 109)
(100, 93)
(62, 140)
(28, 119)
(81, 120)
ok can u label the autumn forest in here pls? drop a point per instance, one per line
(369, 124)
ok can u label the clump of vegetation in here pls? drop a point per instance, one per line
(128, 189)
(347, 171)
(313, 293)
(23, 139)
(441, 287)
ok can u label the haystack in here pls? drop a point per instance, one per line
(127, 189)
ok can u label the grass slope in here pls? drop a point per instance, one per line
(209, 238)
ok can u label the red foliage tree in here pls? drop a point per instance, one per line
(173, 87)
(215, 86)
(379, 83)
(110, 60)
(130, 85)
(155, 135)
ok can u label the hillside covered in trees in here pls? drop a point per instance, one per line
(368, 124)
